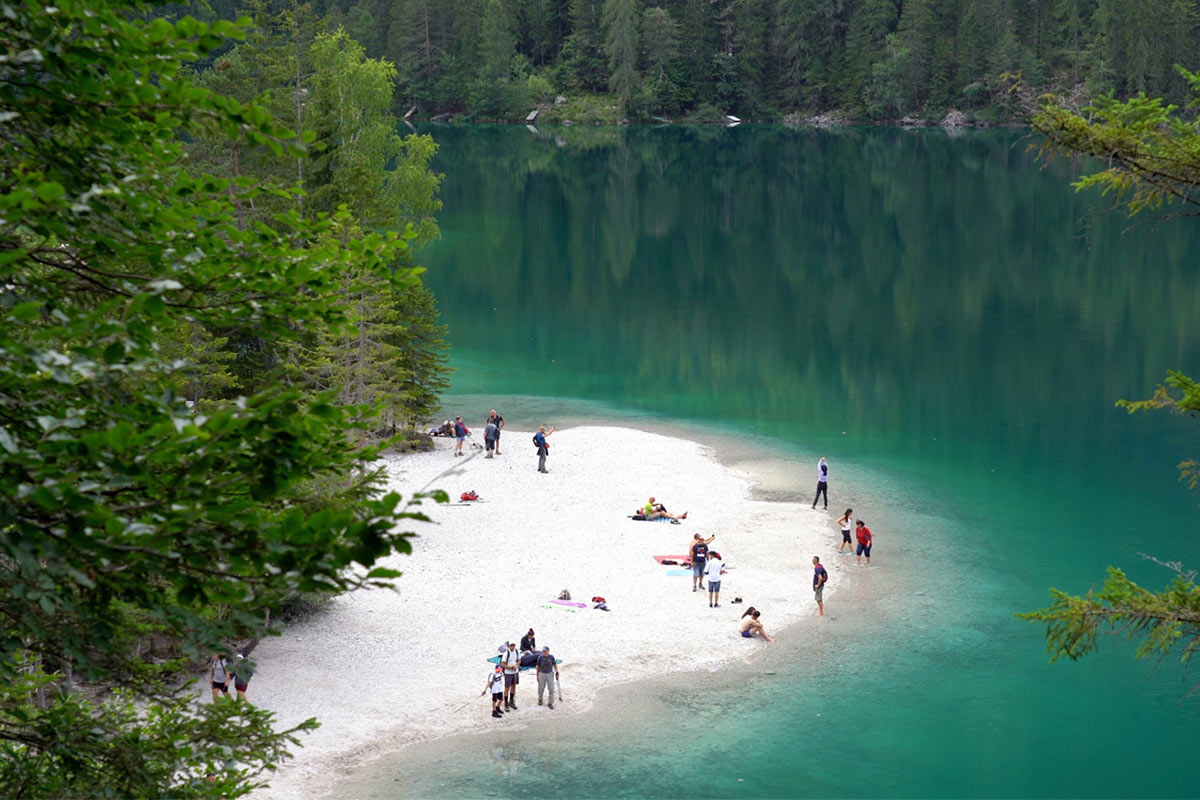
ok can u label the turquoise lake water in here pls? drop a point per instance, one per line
(950, 325)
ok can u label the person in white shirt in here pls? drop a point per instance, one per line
(713, 570)
(822, 482)
(495, 682)
(510, 659)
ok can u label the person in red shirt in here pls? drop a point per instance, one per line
(865, 540)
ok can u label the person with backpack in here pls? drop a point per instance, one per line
(460, 434)
(242, 673)
(699, 555)
(547, 672)
(820, 578)
(495, 682)
(510, 659)
(822, 482)
(498, 421)
(543, 448)
(218, 675)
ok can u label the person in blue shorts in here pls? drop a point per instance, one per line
(699, 556)
(750, 626)
(865, 540)
(460, 434)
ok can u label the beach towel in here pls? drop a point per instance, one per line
(676, 559)
(643, 518)
(679, 572)
(570, 603)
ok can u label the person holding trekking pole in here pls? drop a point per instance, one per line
(495, 682)
(547, 672)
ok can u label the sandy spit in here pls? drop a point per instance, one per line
(383, 669)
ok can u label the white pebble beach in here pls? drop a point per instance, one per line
(383, 669)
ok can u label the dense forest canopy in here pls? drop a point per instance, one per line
(760, 59)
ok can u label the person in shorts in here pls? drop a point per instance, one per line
(460, 435)
(846, 522)
(218, 675)
(713, 570)
(510, 659)
(490, 433)
(498, 421)
(495, 682)
(865, 540)
(820, 578)
(699, 555)
(242, 673)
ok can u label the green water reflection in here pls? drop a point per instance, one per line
(940, 317)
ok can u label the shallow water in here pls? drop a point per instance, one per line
(929, 313)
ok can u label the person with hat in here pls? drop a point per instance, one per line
(510, 659)
(495, 682)
(547, 672)
(242, 672)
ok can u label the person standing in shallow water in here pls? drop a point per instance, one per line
(846, 522)
(865, 540)
(822, 482)
(543, 448)
(820, 578)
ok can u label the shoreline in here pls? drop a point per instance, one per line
(383, 670)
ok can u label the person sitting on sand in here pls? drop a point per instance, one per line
(528, 643)
(654, 510)
(750, 625)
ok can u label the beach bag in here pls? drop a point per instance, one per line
(598, 600)
(469, 495)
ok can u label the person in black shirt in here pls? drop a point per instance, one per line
(699, 556)
(498, 421)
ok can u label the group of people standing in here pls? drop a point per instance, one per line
(491, 437)
(505, 678)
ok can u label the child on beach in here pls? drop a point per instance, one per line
(751, 626)
(496, 682)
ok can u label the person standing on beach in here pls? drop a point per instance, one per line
(498, 421)
(865, 540)
(846, 522)
(495, 682)
(242, 673)
(699, 555)
(218, 675)
(460, 433)
(822, 482)
(490, 434)
(547, 672)
(510, 659)
(543, 448)
(714, 570)
(820, 578)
